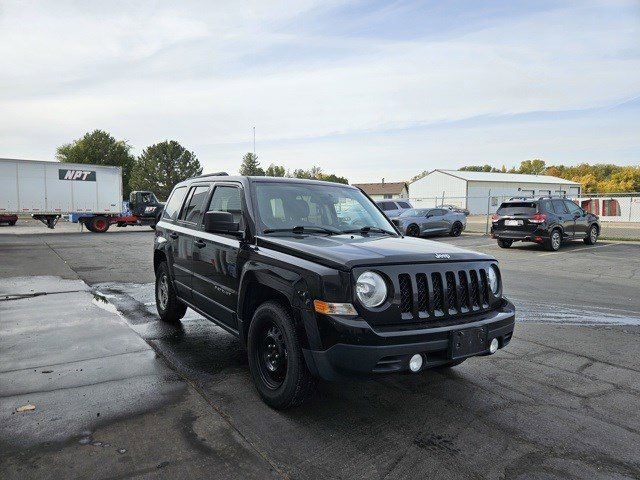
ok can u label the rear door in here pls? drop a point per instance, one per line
(188, 226)
(177, 256)
(564, 217)
(215, 259)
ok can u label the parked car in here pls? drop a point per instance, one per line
(419, 222)
(8, 219)
(548, 221)
(313, 296)
(455, 208)
(393, 208)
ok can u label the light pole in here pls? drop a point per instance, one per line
(254, 141)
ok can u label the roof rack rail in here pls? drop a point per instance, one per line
(520, 198)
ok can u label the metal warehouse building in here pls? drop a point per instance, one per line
(482, 191)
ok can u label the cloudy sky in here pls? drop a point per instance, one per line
(363, 89)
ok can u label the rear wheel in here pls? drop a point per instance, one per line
(99, 224)
(12, 223)
(170, 309)
(505, 243)
(592, 236)
(456, 229)
(277, 365)
(413, 231)
(555, 240)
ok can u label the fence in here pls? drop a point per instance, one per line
(619, 213)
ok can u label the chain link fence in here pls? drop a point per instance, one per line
(619, 213)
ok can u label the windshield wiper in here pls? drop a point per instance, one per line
(299, 229)
(367, 229)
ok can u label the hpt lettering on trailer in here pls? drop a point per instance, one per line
(80, 175)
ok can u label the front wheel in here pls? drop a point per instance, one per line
(505, 243)
(555, 240)
(170, 309)
(277, 365)
(592, 237)
(456, 229)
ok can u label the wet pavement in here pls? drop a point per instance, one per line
(561, 401)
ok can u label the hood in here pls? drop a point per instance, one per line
(348, 251)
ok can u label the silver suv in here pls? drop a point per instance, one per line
(393, 208)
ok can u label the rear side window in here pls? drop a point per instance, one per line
(559, 207)
(174, 203)
(404, 205)
(517, 208)
(389, 206)
(192, 213)
(546, 206)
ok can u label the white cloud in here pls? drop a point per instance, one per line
(154, 72)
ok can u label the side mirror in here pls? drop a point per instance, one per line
(220, 222)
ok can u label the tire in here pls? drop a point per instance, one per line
(449, 364)
(12, 223)
(505, 243)
(277, 365)
(99, 224)
(413, 231)
(456, 229)
(88, 225)
(592, 236)
(555, 240)
(170, 309)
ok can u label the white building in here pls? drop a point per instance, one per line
(482, 191)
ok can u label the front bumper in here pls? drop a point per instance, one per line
(381, 351)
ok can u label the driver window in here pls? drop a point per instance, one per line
(227, 199)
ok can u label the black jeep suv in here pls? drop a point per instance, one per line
(546, 220)
(278, 263)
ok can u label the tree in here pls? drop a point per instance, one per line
(275, 171)
(533, 167)
(100, 148)
(479, 168)
(250, 165)
(315, 173)
(163, 165)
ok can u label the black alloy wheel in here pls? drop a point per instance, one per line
(413, 231)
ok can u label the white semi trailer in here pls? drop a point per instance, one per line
(89, 194)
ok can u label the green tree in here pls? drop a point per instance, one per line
(163, 165)
(479, 168)
(275, 171)
(316, 173)
(250, 165)
(533, 167)
(100, 148)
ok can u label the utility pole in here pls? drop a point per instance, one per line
(254, 141)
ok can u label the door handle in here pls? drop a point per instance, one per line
(173, 235)
(200, 243)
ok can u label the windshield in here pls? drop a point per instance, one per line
(520, 208)
(414, 212)
(283, 206)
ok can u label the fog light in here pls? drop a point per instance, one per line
(415, 363)
(493, 346)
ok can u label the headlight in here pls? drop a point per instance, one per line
(371, 289)
(494, 282)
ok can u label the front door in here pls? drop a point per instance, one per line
(580, 219)
(215, 260)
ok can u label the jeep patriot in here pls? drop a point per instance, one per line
(316, 282)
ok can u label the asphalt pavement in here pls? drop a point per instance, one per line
(561, 401)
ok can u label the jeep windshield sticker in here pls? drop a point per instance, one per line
(79, 175)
